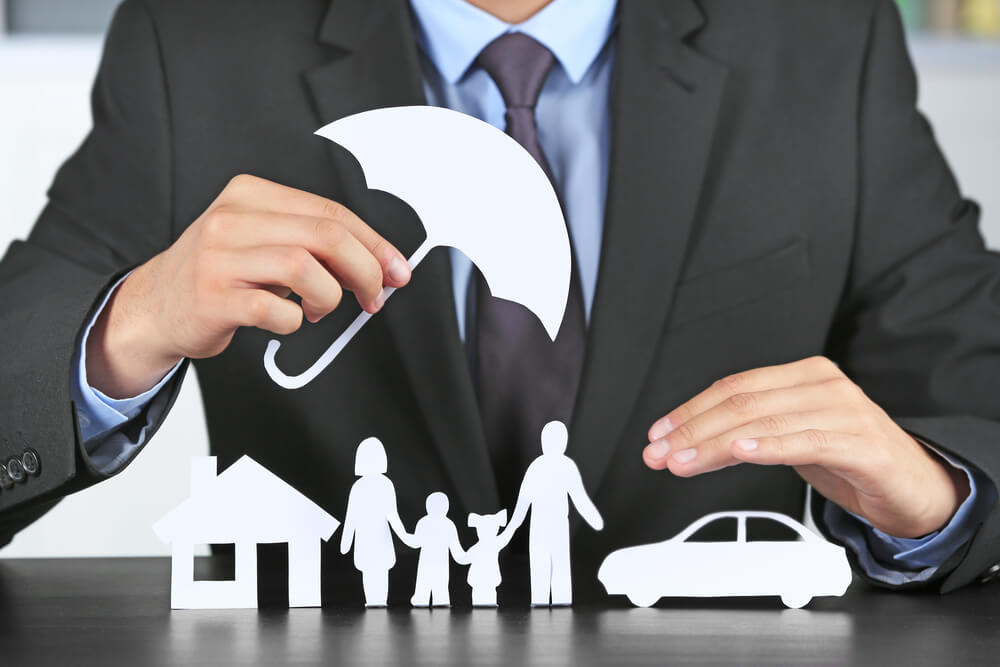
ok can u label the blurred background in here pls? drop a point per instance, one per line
(49, 50)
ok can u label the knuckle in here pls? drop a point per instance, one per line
(329, 232)
(237, 182)
(731, 384)
(259, 309)
(687, 433)
(844, 388)
(380, 248)
(219, 222)
(773, 424)
(295, 264)
(334, 211)
(822, 364)
(240, 184)
(741, 403)
(816, 438)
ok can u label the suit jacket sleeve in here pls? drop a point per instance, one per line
(919, 326)
(109, 210)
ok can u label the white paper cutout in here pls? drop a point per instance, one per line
(483, 557)
(371, 519)
(437, 538)
(550, 482)
(246, 505)
(474, 188)
(795, 570)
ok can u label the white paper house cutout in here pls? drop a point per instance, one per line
(246, 505)
(797, 571)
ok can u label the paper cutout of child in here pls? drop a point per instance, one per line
(484, 557)
(437, 538)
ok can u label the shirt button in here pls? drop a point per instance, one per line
(990, 574)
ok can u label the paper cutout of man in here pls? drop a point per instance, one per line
(550, 482)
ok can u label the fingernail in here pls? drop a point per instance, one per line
(380, 300)
(685, 455)
(658, 449)
(747, 445)
(399, 271)
(661, 429)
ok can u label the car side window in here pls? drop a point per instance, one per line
(760, 529)
(720, 530)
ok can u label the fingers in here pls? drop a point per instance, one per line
(806, 371)
(290, 267)
(250, 192)
(262, 309)
(333, 244)
(829, 449)
(750, 414)
(715, 453)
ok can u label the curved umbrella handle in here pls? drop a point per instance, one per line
(336, 347)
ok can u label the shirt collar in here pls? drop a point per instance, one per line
(453, 32)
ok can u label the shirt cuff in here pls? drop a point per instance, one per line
(897, 560)
(98, 415)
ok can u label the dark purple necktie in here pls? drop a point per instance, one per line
(523, 379)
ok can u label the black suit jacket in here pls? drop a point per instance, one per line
(773, 195)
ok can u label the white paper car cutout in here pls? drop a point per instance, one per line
(797, 571)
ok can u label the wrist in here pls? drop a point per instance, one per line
(126, 352)
(946, 488)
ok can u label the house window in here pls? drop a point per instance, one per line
(220, 567)
(48, 17)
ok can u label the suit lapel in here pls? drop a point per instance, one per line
(379, 67)
(664, 104)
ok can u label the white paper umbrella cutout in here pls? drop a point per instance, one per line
(475, 189)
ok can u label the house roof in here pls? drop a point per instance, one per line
(246, 502)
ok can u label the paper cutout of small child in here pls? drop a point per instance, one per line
(484, 557)
(437, 538)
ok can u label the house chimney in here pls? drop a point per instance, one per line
(203, 470)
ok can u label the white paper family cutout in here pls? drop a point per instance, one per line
(797, 571)
(248, 505)
(474, 188)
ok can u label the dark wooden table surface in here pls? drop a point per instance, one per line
(116, 612)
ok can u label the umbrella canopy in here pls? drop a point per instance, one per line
(475, 189)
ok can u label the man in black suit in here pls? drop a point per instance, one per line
(780, 227)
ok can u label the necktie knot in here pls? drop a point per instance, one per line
(519, 66)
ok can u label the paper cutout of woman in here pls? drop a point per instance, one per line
(371, 519)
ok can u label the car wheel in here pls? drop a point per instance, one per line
(645, 599)
(796, 600)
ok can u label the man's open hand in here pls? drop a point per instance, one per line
(234, 267)
(809, 415)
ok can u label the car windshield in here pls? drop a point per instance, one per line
(719, 529)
